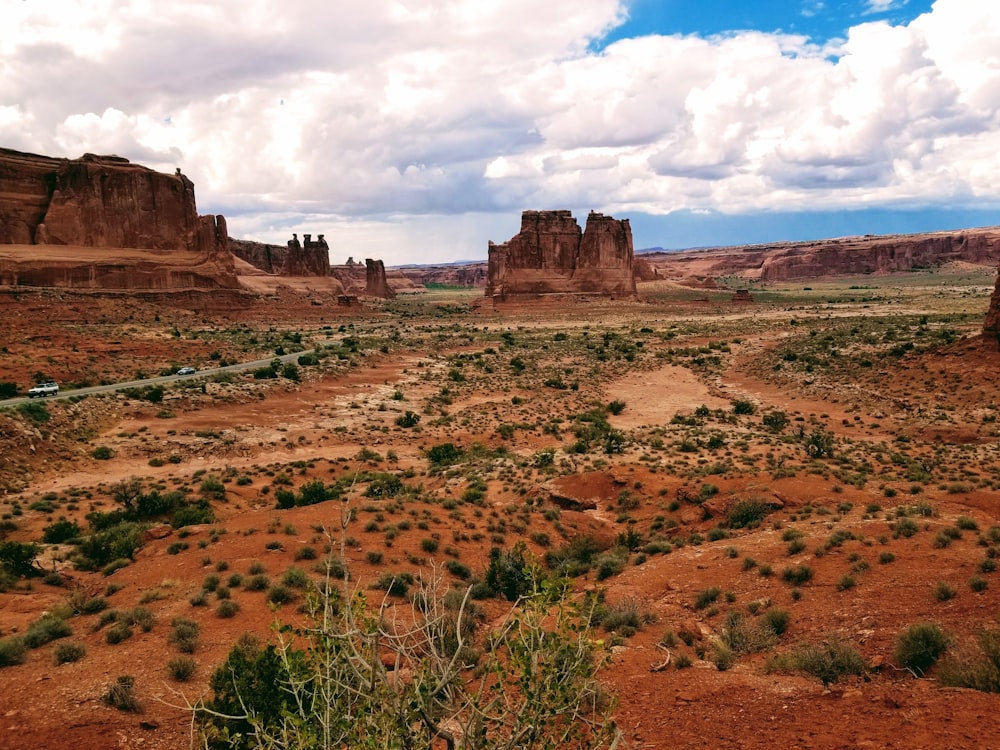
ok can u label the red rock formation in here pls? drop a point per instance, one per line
(375, 282)
(105, 203)
(991, 327)
(551, 255)
(834, 257)
(295, 259)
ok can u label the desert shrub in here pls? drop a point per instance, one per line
(116, 542)
(184, 636)
(227, 608)
(305, 553)
(745, 635)
(408, 419)
(575, 558)
(623, 618)
(976, 667)
(394, 584)
(741, 406)
(818, 443)
(777, 620)
(35, 411)
(443, 454)
(429, 545)
(18, 558)
(610, 564)
(121, 695)
(45, 629)
(797, 575)
(747, 513)
(182, 668)
(457, 569)
(102, 453)
(280, 594)
(295, 578)
(13, 650)
(61, 531)
(775, 421)
(259, 582)
(7, 389)
(65, 653)
(117, 633)
(616, 407)
(705, 597)
(829, 661)
(919, 647)
(384, 484)
(507, 573)
(944, 591)
(192, 514)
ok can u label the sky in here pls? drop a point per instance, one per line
(416, 131)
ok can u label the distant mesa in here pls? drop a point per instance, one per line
(550, 255)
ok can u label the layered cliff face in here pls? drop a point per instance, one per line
(551, 255)
(991, 327)
(105, 203)
(308, 258)
(376, 284)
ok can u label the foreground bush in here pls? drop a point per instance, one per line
(919, 646)
(974, 666)
(829, 661)
(534, 688)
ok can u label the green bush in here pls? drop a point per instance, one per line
(407, 420)
(182, 668)
(13, 651)
(35, 411)
(18, 558)
(61, 531)
(102, 453)
(46, 629)
(976, 667)
(443, 454)
(747, 513)
(706, 597)
(829, 661)
(184, 636)
(116, 542)
(919, 647)
(227, 608)
(65, 653)
(121, 695)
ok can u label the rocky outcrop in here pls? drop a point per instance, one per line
(551, 255)
(991, 327)
(456, 274)
(78, 215)
(842, 256)
(375, 281)
(308, 258)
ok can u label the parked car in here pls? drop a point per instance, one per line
(187, 371)
(43, 389)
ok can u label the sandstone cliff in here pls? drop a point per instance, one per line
(375, 281)
(991, 327)
(65, 222)
(308, 258)
(551, 255)
(835, 257)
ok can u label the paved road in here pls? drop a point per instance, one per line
(161, 380)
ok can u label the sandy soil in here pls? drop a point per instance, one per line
(317, 428)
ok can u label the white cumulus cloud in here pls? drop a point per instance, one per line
(391, 124)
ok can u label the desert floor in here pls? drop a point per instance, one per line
(862, 413)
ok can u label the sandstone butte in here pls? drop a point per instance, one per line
(550, 255)
(103, 223)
